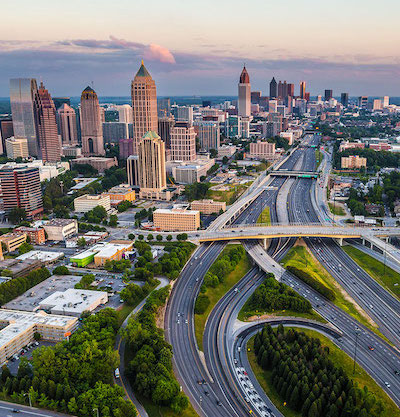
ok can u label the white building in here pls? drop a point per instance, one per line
(88, 202)
(17, 148)
(61, 229)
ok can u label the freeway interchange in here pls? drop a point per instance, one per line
(219, 382)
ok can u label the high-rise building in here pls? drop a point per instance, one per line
(165, 124)
(164, 107)
(183, 114)
(144, 103)
(244, 94)
(113, 132)
(385, 101)
(91, 123)
(17, 148)
(21, 188)
(22, 95)
(6, 131)
(151, 163)
(273, 88)
(49, 145)
(125, 113)
(302, 89)
(290, 90)
(183, 142)
(208, 134)
(67, 125)
(377, 104)
(59, 101)
(125, 148)
(363, 102)
(344, 99)
(255, 97)
(132, 169)
(328, 95)
(280, 89)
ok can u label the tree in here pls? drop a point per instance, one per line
(169, 238)
(25, 248)
(113, 220)
(159, 238)
(213, 153)
(131, 236)
(61, 270)
(16, 215)
(81, 242)
(37, 336)
(140, 237)
(150, 237)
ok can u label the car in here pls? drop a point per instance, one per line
(206, 393)
(15, 410)
(219, 403)
(371, 348)
(396, 372)
(387, 384)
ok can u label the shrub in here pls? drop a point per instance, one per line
(202, 303)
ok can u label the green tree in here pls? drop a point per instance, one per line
(61, 270)
(150, 237)
(81, 242)
(159, 238)
(25, 248)
(169, 238)
(16, 215)
(113, 220)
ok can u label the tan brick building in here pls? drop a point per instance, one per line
(13, 241)
(353, 162)
(177, 219)
(208, 206)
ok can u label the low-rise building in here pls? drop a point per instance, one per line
(101, 253)
(36, 234)
(189, 172)
(61, 229)
(19, 327)
(353, 162)
(97, 162)
(208, 206)
(12, 241)
(177, 219)
(262, 150)
(73, 302)
(87, 202)
(45, 257)
(226, 150)
(19, 268)
(123, 192)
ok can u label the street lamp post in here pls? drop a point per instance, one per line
(29, 398)
(97, 411)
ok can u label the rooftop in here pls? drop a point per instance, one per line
(43, 256)
(142, 72)
(60, 222)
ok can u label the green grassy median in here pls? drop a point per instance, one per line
(265, 217)
(215, 294)
(386, 276)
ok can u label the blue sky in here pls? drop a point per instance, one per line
(199, 47)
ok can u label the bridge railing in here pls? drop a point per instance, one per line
(255, 225)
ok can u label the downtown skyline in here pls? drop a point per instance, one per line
(192, 54)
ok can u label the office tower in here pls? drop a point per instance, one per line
(363, 102)
(183, 142)
(284, 89)
(307, 96)
(377, 104)
(151, 164)
(273, 88)
(290, 90)
(385, 101)
(280, 89)
(132, 169)
(125, 148)
(144, 103)
(125, 113)
(183, 114)
(244, 100)
(67, 125)
(165, 124)
(255, 97)
(91, 123)
(17, 148)
(328, 95)
(302, 89)
(22, 94)
(59, 101)
(344, 99)
(21, 188)
(49, 146)
(6, 131)
(113, 132)
(164, 107)
(208, 134)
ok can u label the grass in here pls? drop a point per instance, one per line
(229, 197)
(339, 358)
(313, 315)
(318, 157)
(387, 277)
(123, 313)
(300, 258)
(265, 217)
(336, 210)
(215, 294)
(154, 410)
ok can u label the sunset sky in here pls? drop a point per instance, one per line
(199, 47)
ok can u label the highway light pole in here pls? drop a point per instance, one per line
(355, 353)
(29, 398)
(97, 411)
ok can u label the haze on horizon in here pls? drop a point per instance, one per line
(200, 47)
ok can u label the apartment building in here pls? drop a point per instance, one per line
(61, 229)
(177, 219)
(208, 206)
(88, 202)
(12, 241)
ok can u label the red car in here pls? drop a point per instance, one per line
(371, 348)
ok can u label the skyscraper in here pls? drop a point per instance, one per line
(290, 90)
(67, 125)
(125, 113)
(144, 103)
(244, 94)
(165, 124)
(302, 89)
(49, 146)
(280, 95)
(344, 99)
(164, 107)
(91, 124)
(21, 188)
(208, 134)
(183, 142)
(151, 163)
(22, 94)
(328, 95)
(273, 89)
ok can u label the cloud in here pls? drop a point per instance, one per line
(158, 53)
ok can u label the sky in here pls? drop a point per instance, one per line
(199, 48)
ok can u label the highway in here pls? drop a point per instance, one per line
(7, 410)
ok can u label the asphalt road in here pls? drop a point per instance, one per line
(7, 410)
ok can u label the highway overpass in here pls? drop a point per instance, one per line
(294, 174)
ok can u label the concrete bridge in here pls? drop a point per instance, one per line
(294, 174)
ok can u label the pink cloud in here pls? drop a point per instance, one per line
(159, 53)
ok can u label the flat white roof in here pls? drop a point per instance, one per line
(40, 255)
(177, 211)
(72, 300)
(102, 249)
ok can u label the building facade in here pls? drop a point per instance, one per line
(144, 103)
(353, 162)
(17, 148)
(88, 202)
(132, 169)
(183, 142)
(176, 219)
(208, 134)
(123, 192)
(208, 206)
(244, 94)
(12, 241)
(67, 125)
(97, 162)
(262, 150)
(61, 229)
(91, 121)
(36, 234)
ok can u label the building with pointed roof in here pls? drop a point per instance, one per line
(273, 88)
(244, 94)
(91, 124)
(66, 118)
(49, 146)
(144, 103)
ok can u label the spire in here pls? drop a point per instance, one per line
(142, 72)
(244, 77)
